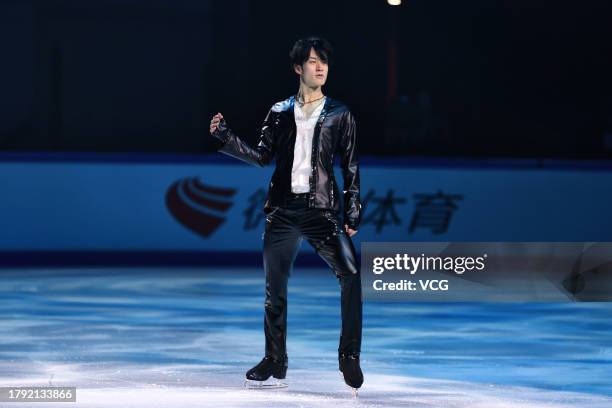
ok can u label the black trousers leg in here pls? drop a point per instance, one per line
(324, 231)
(281, 244)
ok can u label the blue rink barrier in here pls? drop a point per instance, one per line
(124, 208)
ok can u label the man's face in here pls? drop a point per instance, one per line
(314, 71)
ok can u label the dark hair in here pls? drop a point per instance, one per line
(301, 50)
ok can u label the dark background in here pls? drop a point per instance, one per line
(432, 78)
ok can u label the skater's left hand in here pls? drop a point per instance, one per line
(349, 231)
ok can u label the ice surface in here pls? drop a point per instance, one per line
(185, 337)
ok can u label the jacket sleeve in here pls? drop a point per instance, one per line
(350, 172)
(234, 146)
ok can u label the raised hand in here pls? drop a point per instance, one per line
(214, 123)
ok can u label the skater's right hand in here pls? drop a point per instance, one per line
(214, 123)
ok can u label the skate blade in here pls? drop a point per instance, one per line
(355, 391)
(270, 384)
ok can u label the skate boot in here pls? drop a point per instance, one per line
(351, 371)
(257, 377)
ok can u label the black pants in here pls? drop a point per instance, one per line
(284, 231)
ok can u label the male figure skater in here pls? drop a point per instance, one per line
(303, 132)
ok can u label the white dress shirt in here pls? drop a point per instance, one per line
(302, 168)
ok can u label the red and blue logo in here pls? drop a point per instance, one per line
(201, 208)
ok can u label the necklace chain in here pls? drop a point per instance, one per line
(304, 103)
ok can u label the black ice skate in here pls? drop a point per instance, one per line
(351, 371)
(257, 376)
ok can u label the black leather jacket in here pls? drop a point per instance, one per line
(334, 131)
